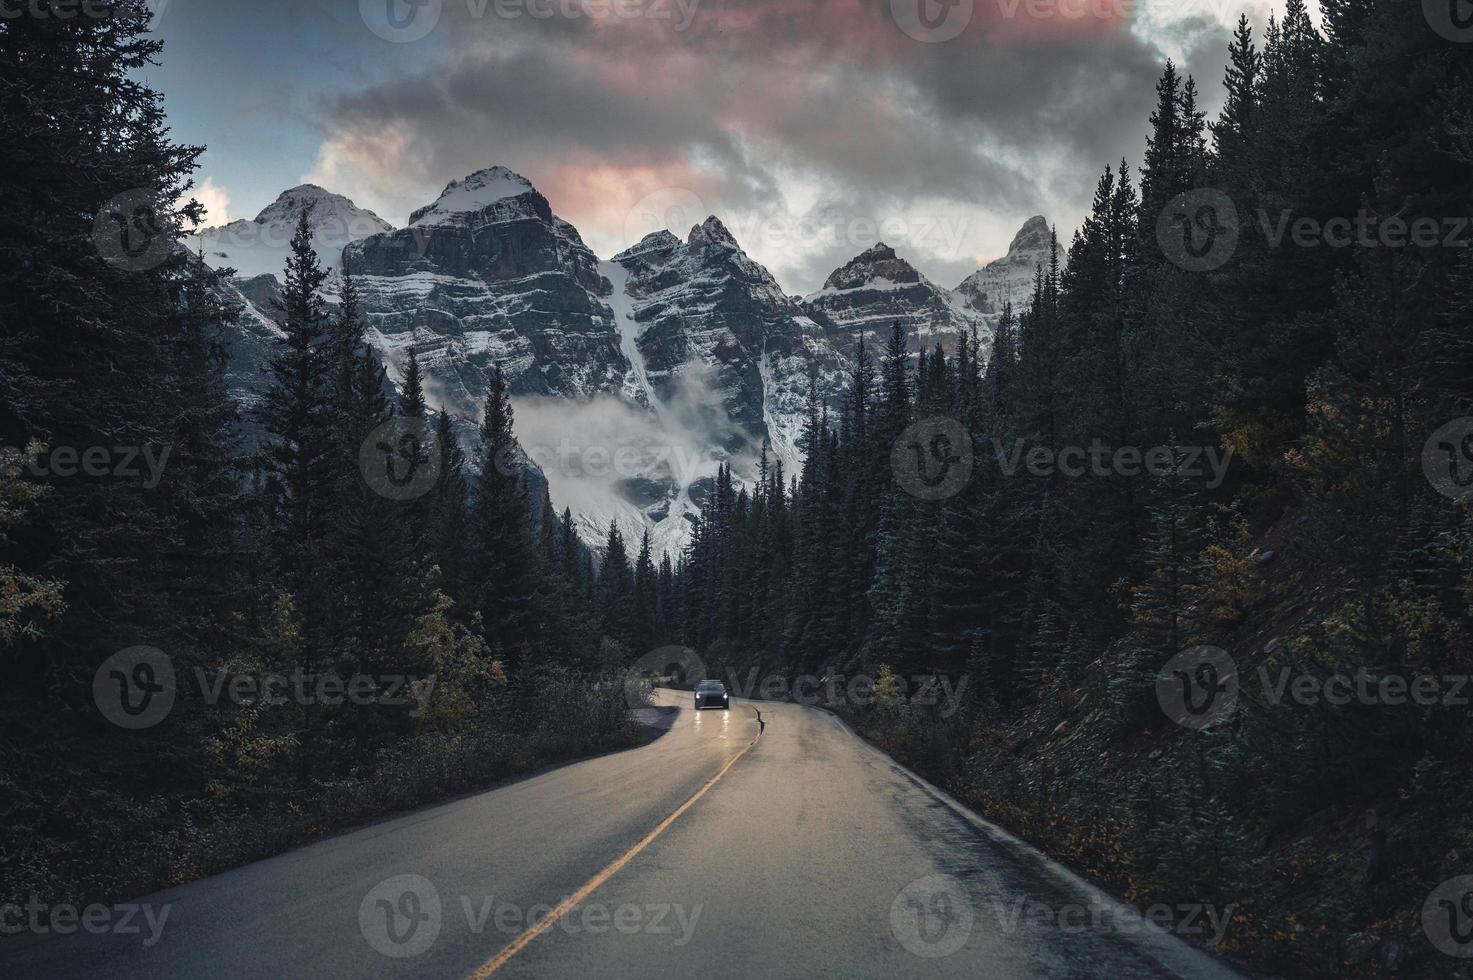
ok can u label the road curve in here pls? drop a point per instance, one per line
(719, 849)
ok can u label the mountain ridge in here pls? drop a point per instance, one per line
(690, 343)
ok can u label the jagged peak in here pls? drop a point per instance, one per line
(879, 261)
(711, 231)
(878, 252)
(1035, 232)
(655, 241)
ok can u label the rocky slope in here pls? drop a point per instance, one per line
(875, 289)
(1010, 278)
(487, 274)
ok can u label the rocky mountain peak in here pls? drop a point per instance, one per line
(711, 232)
(655, 241)
(325, 206)
(1010, 278)
(878, 252)
(471, 195)
(259, 246)
(1034, 235)
(878, 263)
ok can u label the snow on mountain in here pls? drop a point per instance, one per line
(260, 246)
(718, 360)
(1010, 278)
(876, 288)
(633, 378)
(488, 275)
(468, 201)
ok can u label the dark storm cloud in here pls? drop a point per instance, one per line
(1011, 116)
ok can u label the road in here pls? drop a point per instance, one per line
(719, 849)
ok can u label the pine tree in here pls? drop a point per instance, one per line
(449, 517)
(616, 590)
(503, 566)
(1235, 130)
(644, 596)
(296, 413)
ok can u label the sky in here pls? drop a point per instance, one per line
(812, 128)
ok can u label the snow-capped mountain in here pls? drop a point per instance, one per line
(261, 245)
(633, 378)
(1010, 278)
(486, 274)
(876, 288)
(719, 356)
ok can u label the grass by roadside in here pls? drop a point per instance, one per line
(74, 834)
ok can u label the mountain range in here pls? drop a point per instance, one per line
(633, 377)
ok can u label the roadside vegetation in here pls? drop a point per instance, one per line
(1328, 385)
(278, 633)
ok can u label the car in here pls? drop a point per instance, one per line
(712, 694)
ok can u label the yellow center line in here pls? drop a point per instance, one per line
(566, 905)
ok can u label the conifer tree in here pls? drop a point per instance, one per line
(503, 566)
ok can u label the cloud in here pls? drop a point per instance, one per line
(767, 111)
(216, 200)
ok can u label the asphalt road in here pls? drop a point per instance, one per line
(716, 850)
